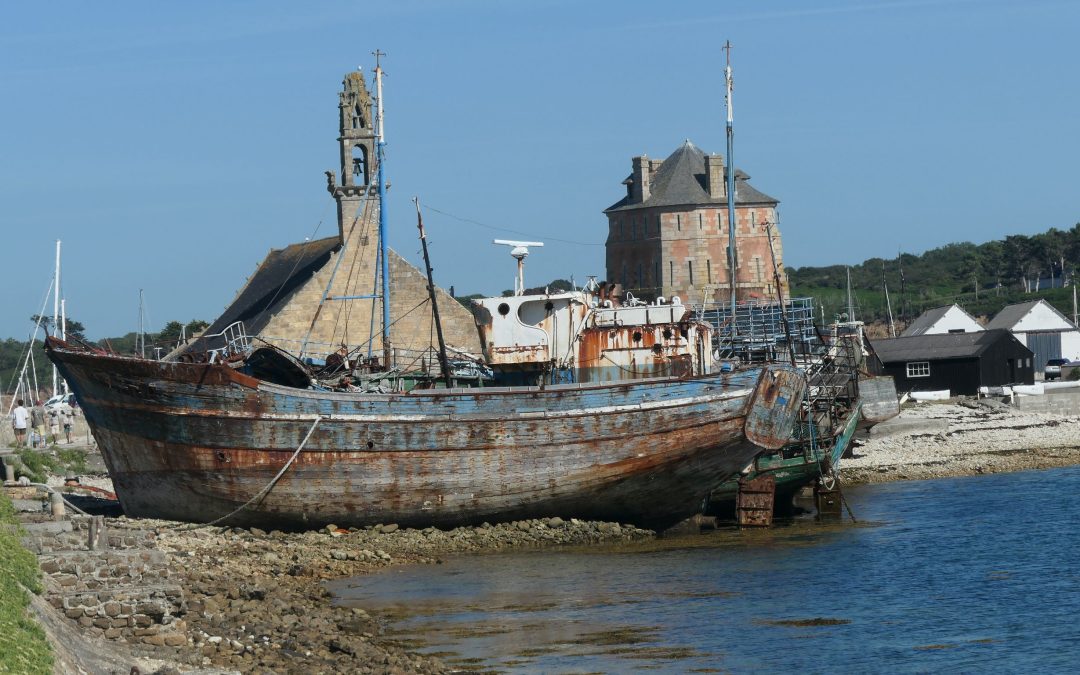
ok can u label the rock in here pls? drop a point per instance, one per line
(338, 554)
(555, 522)
(175, 640)
(387, 529)
(257, 532)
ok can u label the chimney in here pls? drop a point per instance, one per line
(642, 179)
(714, 177)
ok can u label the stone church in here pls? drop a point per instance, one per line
(669, 234)
(307, 293)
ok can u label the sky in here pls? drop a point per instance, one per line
(170, 146)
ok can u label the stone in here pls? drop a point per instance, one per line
(555, 522)
(156, 640)
(112, 609)
(113, 633)
(175, 640)
(338, 554)
(387, 529)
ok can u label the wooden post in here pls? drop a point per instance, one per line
(754, 501)
(827, 501)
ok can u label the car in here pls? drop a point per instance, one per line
(1052, 371)
(68, 398)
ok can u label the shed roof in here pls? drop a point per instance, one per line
(937, 346)
(930, 317)
(1010, 315)
(680, 181)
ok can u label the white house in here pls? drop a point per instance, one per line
(1043, 329)
(943, 320)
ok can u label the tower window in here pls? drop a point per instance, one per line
(357, 118)
(700, 222)
(678, 221)
(690, 269)
(708, 270)
(360, 165)
(671, 272)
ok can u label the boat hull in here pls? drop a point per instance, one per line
(203, 443)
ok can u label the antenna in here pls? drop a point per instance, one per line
(519, 251)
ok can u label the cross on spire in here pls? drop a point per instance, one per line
(378, 53)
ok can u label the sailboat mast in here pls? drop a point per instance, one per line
(380, 148)
(140, 342)
(56, 310)
(732, 255)
(888, 304)
(850, 304)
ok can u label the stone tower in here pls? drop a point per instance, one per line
(356, 139)
(669, 234)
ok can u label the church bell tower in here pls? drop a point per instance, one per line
(356, 139)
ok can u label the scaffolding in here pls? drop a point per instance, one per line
(757, 332)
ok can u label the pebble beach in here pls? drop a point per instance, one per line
(961, 438)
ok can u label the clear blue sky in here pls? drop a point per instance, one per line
(171, 145)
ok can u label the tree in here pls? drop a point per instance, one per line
(73, 328)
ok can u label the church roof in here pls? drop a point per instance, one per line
(280, 273)
(680, 181)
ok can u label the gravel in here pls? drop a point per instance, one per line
(962, 438)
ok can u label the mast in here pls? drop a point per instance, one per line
(56, 309)
(850, 304)
(732, 255)
(140, 339)
(888, 304)
(443, 362)
(780, 294)
(380, 152)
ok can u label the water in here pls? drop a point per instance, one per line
(968, 574)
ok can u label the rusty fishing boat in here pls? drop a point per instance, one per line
(208, 442)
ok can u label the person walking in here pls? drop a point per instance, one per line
(20, 416)
(37, 419)
(54, 424)
(67, 418)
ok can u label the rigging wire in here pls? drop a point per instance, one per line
(428, 207)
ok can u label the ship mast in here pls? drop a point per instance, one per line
(380, 148)
(732, 255)
(56, 310)
(444, 363)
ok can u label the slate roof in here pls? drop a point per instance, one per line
(936, 346)
(1010, 315)
(279, 274)
(680, 181)
(928, 318)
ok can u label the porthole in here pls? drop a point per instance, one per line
(637, 336)
(667, 333)
(370, 445)
(504, 308)
(657, 349)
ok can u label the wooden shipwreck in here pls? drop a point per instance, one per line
(205, 442)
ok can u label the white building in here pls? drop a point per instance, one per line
(1043, 329)
(941, 321)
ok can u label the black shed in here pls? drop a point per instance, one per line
(959, 362)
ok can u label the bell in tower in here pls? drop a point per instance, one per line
(357, 134)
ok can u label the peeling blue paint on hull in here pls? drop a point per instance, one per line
(194, 442)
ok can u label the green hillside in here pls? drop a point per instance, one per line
(981, 278)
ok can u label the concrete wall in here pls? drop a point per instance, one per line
(1057, 403)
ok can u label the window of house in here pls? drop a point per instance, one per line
(918, 369)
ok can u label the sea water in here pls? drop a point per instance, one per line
(968, 574)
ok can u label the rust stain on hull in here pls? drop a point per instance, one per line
(194, 442)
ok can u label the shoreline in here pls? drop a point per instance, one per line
(964, 438)
(253, 600)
